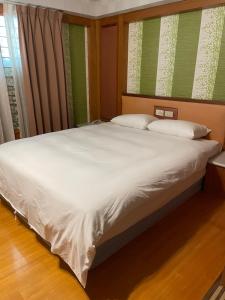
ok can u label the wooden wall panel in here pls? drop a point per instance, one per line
(122, 61)
(106, 21)
(122, 65)
(77, 20)
(108, 68)
(94, 76)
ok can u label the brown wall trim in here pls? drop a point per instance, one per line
(1, 9)
(217, 102)
(94, 72)
(122, 61)
(122, 30)
(108, 21)
(169, 9)
(109, 71)
(72, 19)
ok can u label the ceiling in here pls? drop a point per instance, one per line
(97, 8)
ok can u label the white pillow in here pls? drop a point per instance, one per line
(180, 128)
(139, 121)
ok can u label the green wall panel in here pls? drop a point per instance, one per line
(186, 54)
(149, 60)
(78, 72)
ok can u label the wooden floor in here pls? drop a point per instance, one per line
(178, 258)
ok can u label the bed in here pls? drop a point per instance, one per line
(81, 188)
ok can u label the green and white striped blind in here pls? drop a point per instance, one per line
(181, 55)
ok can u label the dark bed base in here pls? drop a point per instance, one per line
(111, 246)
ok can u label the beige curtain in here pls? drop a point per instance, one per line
(40, 34)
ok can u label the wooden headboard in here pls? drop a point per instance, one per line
(211, 115)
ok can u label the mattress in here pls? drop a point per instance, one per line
(76, 185)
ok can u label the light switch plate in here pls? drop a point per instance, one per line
(159, 112)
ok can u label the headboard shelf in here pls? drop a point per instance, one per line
(205, 112)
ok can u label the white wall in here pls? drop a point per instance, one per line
(96, 8)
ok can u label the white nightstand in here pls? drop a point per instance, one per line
(215, 174)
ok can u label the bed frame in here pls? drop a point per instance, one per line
(211, 115)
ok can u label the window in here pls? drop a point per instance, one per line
(7, 64)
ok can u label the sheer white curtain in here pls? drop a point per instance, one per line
(6, 123)
(11, 23)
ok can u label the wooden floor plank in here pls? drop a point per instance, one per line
(179, 258)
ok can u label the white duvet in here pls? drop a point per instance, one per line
(73, 186)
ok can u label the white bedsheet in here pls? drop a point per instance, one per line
(74, 185)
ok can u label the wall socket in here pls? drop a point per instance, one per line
(168, 114)
(163, 112)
